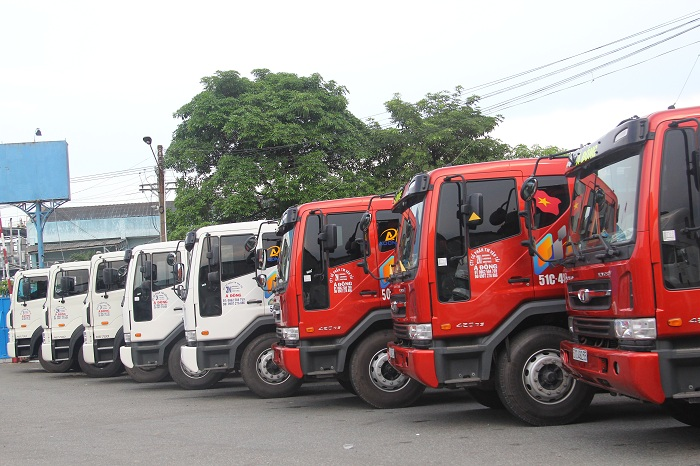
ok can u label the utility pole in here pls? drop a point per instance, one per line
(161, 194)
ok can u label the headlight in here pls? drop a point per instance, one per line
(635, 329)
(420, 332)
(191, 336)
(288, 333)
(127, 338)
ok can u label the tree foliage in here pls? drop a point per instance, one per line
(521, 151)
(248, 149)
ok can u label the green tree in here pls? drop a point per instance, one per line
(248, 149)
(442, 128)
(521, 151)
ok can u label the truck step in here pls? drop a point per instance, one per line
(690, 397)
(464, 382)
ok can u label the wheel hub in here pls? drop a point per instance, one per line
(544, 378)
(267, 370)
(383, 374)
(192, 375)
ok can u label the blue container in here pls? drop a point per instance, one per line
(4, 331)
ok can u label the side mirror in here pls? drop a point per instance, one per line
(528, 189)
(149, 270)
(365, 221)
(26, 289)
(251, 243)
(599, 197)
(110, 276)
(171, 259)
(328, 238)
(128, 254)
(179, 272)
(261, 281)
(474, 210)
(190, 239)
(260, 259)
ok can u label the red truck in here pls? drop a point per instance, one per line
(331, 297)
(471, 307)
(634, 266)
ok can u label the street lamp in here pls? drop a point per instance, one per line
(161, 185)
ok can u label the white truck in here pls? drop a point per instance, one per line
(63, 316)
(103, 333)
(26, 313)
(228, 320)
(152, 317)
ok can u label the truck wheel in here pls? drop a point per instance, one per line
(488, 398)
(532, 383)
(54, 367)
(103, 370)
(186, 379)
(375, 380)
(344, 381)
(687, 413)
(148, 375)
(260, 373)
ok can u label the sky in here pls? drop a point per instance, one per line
(102, 75)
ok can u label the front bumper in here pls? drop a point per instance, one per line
(188, 358)
(288, 359)
(626, 372)
(125, 356)
(419, 364)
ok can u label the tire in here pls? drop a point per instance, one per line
(54, 367)
(103, 370)
(375, 380)
(344, 381)
(488, 398)
(533, 385)
(260, 373)
(148, 375)
(687, 413)
(186, 379)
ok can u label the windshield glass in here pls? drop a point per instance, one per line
(407, 251)
(285, 258)
(604, 203)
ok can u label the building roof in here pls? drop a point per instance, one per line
(113, 244)
(142, 209)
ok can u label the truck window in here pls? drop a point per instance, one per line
(119, 265)
(387, 229)
(348, 232)
(452, 272)
(679, 203)
(209, 278)
(551, 200)
(37, 287)
(79, 283)
(142, 303)
(235, 260)
(500, 210)
(164, 276)
(314, 278)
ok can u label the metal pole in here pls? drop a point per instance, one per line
(39, 222)
(161, 193)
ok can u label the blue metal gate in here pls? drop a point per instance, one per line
(4, 332)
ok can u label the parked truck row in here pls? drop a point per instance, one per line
(533, 284)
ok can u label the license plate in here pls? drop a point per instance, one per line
(580, 355)
(391, 353)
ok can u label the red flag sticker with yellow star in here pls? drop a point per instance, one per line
(547, 204)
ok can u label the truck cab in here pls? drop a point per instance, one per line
(103, 332)
(332, 300)
(63, 316)
(228, 323)
(152, 315)
(471, 307)
(634, 262)
(26, 313)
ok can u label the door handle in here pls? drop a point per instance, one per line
(368, 293)
(254, 301)
(176, 309)
(519, 280)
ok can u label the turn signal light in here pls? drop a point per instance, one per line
(104, 322)
(61, 325)
(676, 322)
(445, 326)
(137, 335)
(24, 325)
(205, 332)
(309, 330)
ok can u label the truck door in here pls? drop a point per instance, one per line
(229, 298)
(66, 310)
(475, 289)
(105, 308)
(157, 311)
(27, 310)
(676, 251)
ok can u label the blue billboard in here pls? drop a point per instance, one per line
(34, 171)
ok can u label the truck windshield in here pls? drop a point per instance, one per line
(408, 249)
(285, 259)
(604, 204)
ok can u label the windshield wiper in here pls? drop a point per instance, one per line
(610, 250)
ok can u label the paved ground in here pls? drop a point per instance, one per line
(71, 419)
